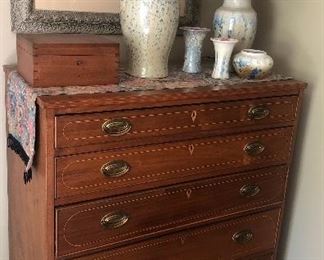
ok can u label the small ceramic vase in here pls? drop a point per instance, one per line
(253, 64)
(149, 28)
(236, 19)
(223, 52)
(194, 38)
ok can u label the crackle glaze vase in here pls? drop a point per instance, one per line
(253, 64)
(149, 28)
(194, 39)
(238, 20)
(223, 53)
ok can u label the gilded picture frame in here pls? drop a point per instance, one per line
(26, 19)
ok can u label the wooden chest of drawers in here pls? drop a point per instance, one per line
(173, 174)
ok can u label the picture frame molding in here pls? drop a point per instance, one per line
(25, 19)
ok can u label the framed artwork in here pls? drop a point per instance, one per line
(80, 16)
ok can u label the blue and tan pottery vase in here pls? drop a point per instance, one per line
(253, 64)
(223, 53)
(194, 38)
(238, 20)
(149, 28)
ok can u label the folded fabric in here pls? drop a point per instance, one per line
(21, 102)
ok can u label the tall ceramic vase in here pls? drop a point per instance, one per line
(236, 19)
(149, 28)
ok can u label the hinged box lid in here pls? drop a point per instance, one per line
(65, 44)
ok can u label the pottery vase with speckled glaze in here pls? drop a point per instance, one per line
(223, 53)
(149, 28)
(194, 39)
(253, 64)
(238, 20)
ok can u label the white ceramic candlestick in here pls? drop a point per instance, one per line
(223, 52)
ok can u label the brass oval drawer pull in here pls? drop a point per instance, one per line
(117, 127)
(250, 190)
(243, 237)
(115, 169)
(258, 112)
(254, 149)
(114, 220)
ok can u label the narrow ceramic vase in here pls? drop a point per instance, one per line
(194, 38)
(223, 52)
(149, 28)
(253, 64)
(236, 19)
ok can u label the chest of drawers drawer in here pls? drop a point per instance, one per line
(134, 127)
(116, 172)
(123, 219)
(235, 239)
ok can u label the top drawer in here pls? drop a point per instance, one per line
(117, 128)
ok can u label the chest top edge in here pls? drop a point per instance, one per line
(64, 104)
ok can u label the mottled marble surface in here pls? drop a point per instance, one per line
(179, 79)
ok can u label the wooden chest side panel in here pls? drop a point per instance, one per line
(31, 206)
(25, 64)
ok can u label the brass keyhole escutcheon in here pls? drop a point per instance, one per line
(194, 115)
(191, 148)
(79, 62)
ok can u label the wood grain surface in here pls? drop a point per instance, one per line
(156, 165)
(146, 124)
(209, 242)
(183, 190)
(63, 60)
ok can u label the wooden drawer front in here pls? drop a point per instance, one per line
(150, 213)
(214, 242)
(76, 70)
(257, 257)
(156, 165)
(76, 130)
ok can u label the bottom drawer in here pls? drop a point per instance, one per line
(236, 239)
(267, 256)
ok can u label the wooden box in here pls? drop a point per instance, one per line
(48, 60)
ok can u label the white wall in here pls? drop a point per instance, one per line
(7, 56)
(293, 32)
